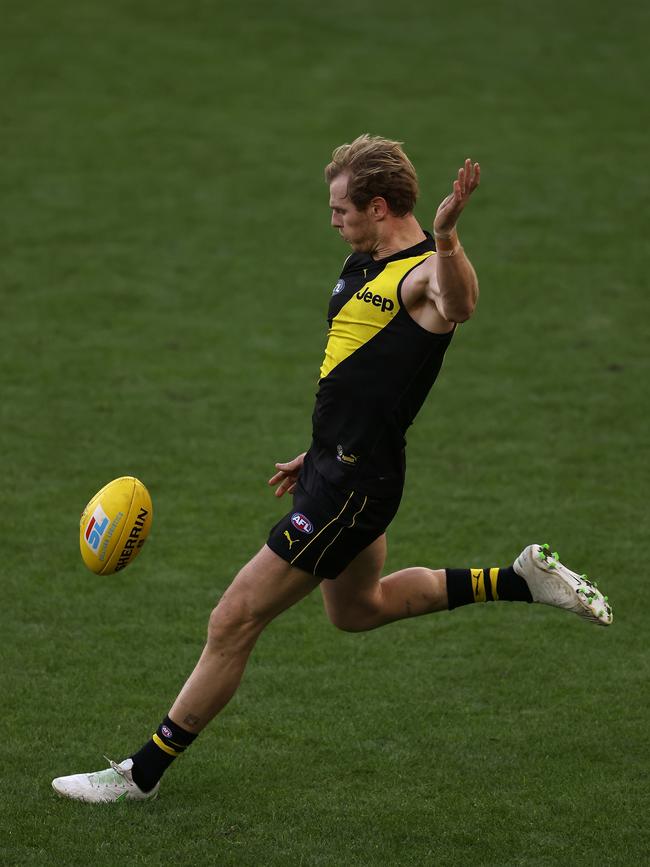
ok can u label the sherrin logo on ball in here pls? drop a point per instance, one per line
(114, 525)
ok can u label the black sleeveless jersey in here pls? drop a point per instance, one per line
(379, 367)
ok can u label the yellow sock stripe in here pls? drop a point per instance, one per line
(494, 574)
(163, 746)
(311, 542)
(363, 505)
(478, 585)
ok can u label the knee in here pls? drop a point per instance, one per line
(354, 618)
(233, 620)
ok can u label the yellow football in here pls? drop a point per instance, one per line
(114, 525)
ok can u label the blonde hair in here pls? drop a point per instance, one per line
(377, 167)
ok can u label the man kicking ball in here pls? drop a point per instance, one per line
(392, 314)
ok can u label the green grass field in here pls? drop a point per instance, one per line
(165, 266)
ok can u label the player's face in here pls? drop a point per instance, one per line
(354, 226)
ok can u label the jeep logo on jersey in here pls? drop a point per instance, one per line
(376, 300)
(301, 523)
(340, 286)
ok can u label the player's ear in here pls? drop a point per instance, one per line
(378, 208)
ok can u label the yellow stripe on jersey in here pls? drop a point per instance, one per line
(367, 312)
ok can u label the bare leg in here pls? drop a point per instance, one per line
(264, 588)
(359, 599)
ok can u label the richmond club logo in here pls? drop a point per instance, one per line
(96, 528)
(301, 523)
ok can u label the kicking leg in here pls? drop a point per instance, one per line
(359, 599)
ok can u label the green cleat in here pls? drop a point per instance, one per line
(552, 583)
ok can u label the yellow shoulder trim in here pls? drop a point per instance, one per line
(367, 312)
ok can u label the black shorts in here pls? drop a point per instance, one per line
(328, 526)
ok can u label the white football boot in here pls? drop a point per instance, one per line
(551, 583)
(113, 784)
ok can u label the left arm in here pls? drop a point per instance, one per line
(452, 285)
(448, 280)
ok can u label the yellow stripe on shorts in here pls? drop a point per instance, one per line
(311, 542)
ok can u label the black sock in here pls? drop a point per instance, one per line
(465, 586)
(166, 744)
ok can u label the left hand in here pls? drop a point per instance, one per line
(287, 474)
(450, 208)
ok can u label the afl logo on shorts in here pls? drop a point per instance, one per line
(301, 523)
